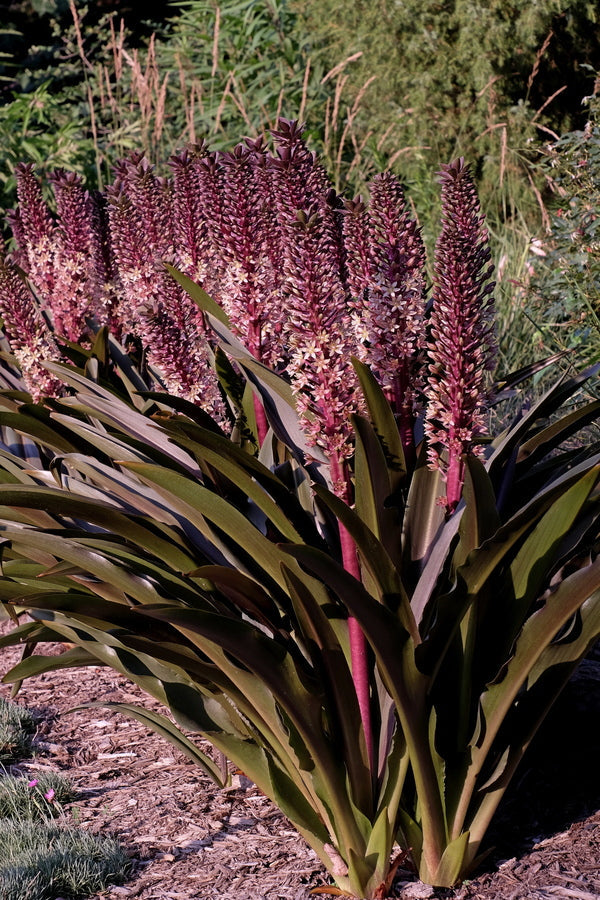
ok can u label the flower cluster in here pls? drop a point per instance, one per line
(30, 338)
(307, 279)
(65, 258)
(461, 348)
(385, 261)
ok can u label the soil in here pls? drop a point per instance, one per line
(189, 840)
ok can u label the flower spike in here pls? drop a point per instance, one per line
(462, 344)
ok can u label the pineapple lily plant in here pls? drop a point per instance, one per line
(322, 560)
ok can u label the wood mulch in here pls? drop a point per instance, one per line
(189, 840)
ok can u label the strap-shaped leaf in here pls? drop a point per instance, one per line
(572, 650)
(451, 865)
(40, 665)
(275, 394)
(38, 429)
(246, 593)
(65, 504)
(330, 660)
(384, 424)
(108, 444)
(249, 475)
(554, 435)
(200, 505)
(532, 563)
(293, 804)
(424, 518)
(552, 400)
(213, 714)
(480, 565)
(167, 730)
(245, 470)
(537, 633)
(34, 543)
(480, 519)
(144, 431)
(289, 681)
(28, 632)
(199, 296)
(507, 384)
(373, 491)
(375, 558)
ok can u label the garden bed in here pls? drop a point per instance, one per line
(190, 841)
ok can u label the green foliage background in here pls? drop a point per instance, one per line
(564, 282)
(451, 76)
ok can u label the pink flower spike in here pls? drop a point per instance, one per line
(32, 783)
(462, 344)
(49, 795)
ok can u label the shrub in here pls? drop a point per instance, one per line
(42, 863)
(434, 98)
(39, 861)
(323, 563)
(16, 728)
(212, 71)
(565, 280)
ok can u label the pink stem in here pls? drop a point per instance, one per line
(405, 418)
(358, 645)
(454, 480)
(254, 346)
(262, 426)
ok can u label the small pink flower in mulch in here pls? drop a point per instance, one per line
(32, 783)
(49, 795)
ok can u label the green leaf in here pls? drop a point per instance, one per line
(200, 506)
(480, 566)
(451, 866)
(480, 519)
(373, 490)
(330, 660)
(384, 424)
(552, 436)
(572, 650)
(250, 476)
(294, 805)
(36, 428)
(66, 504)
(424, 518)
(536, 555)
(537, 633)
(375, 558)
(505, 444)
(198, 295)
(40, 665)
(275, 394)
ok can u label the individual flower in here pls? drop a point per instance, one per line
(461, 348)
